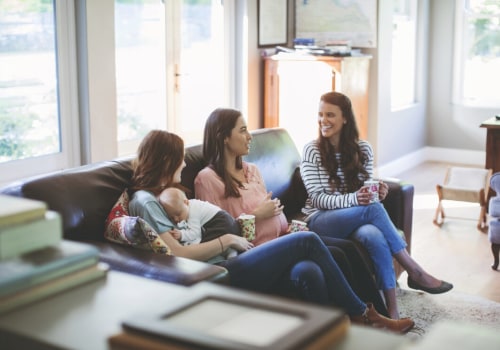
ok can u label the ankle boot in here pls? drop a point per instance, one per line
(373, 319)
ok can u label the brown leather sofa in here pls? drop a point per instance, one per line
(84, 196)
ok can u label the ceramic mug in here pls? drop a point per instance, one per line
(298, 225)
(247, 224)
(373, 189)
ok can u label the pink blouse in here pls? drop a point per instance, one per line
(209, 187)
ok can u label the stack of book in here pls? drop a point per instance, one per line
(35, 260)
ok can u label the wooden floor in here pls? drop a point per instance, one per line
(456, 252)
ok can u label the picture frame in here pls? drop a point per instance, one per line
(272, 23)
(326, 21)
(222, 318)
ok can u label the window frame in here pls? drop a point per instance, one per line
(69, 154)
(459, 63)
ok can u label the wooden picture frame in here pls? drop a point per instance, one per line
(272, 22)
(222, 318)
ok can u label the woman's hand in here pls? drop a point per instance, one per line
(383, 190)
(268, 208)
(236, 242)
(363, 195)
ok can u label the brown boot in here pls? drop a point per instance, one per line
(372, 318)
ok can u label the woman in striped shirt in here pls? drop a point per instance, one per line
(334, 168)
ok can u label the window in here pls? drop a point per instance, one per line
(202, 62)
(404, 43)
(140, 70)
(34, 122)
(172, 64)
(477, 53)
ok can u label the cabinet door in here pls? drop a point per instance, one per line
(354, 83)
(292, 88)
(301, 83)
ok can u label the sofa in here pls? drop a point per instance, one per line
(85, 195)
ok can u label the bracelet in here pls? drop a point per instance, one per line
(221, 246)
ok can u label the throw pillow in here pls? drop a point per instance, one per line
(132, 230)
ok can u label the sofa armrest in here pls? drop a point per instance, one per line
(165, 268)
(399, 205)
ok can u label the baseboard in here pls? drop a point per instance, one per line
(431, 154)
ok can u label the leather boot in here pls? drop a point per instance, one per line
(373, 319)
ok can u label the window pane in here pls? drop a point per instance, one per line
(482, 52)
(203, 62)
(29, 120)
(140, 68)
(404, 41)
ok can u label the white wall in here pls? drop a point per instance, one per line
(449, 125)
(396, 133)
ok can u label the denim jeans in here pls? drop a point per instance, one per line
(299, 259)
(372, 227)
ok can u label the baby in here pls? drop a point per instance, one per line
(197, 221)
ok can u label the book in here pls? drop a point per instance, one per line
(30, 269)
(21, 238)
(53, 286)
(14, 210)
(220, 317)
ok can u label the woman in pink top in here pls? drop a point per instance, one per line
(270, 221)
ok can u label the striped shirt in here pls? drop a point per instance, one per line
(316, 180)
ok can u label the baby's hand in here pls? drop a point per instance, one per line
(176, 234)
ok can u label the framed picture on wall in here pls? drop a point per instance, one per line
(272, 22)
(329, 21)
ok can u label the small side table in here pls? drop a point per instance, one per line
(492, 162)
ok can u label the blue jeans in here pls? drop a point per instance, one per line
(300, 260)
(372, 227)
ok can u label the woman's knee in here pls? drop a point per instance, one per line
(309, 282)
(305, 237)
(369, 235)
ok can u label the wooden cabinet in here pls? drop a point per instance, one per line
(294, 83)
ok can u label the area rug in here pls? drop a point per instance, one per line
(426, 309)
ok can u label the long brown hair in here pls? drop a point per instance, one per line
(350, 153)
(218, 126)
(159, 155)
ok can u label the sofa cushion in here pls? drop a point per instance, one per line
(131, 230)
(83, 195)
(275, 154)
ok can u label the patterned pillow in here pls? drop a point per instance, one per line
(132, 230)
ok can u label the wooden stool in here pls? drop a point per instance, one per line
(466, 185)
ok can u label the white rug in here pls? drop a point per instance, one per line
(426, 309)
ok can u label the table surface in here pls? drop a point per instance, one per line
(84, 317)
(491, 123)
